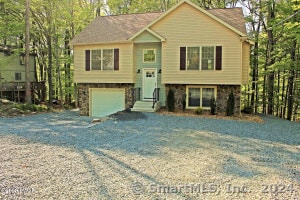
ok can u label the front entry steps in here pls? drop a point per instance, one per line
(145, 106)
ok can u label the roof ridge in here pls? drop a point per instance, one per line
(224, 8)
(131, 14)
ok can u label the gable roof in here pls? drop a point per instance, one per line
(114, 28)
(122, 28)
(232, 16)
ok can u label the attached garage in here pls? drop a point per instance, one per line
(106, 101)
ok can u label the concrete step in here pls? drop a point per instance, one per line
(145, 106)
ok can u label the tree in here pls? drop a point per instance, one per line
(230, 105)
(27, 51)
(171, 101)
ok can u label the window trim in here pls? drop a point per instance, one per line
(217, 58)
(200, 59)
(115, 59)
(201, 88)
(144, 56)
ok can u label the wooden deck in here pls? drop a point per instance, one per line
(15, 91)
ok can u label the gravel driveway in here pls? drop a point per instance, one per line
(148, 156)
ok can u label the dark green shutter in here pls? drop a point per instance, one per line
(182, 58)
(218, 57)
(87, 60)
(116, 59)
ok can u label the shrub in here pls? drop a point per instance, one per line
(31, 107)
(213, 106)
(183, 102)
(199, 111)
(230, 105)
(171, 100)
(248, 110)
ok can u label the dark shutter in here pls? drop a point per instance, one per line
(182, 58)
(116, 59)
(87, 60)
(218, 57)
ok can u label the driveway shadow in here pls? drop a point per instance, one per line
(146, 134)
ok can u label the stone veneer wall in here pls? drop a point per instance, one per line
(179, 91)
(84, 100)
(223, 92)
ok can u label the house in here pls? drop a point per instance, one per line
(12, 74)
(133, 60)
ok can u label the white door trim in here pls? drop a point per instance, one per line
(149, 85)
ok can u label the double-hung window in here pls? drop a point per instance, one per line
(102, 59)
(201, 58)
(208, 58)
(96, 59)
(193, 57)
(200, 96)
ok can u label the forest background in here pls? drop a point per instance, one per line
(45, 28)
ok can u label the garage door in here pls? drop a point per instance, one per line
(104, 102)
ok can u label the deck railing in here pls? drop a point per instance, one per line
(20, 86)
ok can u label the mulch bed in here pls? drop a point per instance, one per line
(206, 114)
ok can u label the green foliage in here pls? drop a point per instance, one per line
(183, 101)
(199, 111)
(171, 101)
(31, 107)
(230, 105)
(213, 106)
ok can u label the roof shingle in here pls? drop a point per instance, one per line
(232, 16)
(121, 27)
(114, 28)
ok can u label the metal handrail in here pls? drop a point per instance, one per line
(155, 96)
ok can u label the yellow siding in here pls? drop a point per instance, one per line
(187, 26)
(123, 75)
(246, 62)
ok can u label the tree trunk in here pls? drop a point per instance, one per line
(282, 97)
(290, 99)
(270, 55)
(254, 77)
(59, 81)
(271, 75)
(27, 54)
(67, 69)
(278, 101)
(49, 69)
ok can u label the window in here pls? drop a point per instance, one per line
(96, 60)
(208, 57)
(102, 59)
(194, 97)
(22, 59)
(18, 76)
(207, 95)
(200, 96)
(193, 58)
(108, 59)
(201, 58)
(149, 55)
